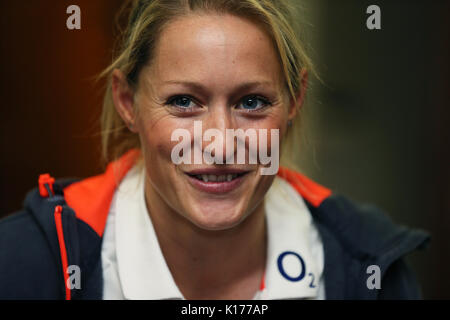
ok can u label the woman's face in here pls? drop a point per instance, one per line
(223, 71)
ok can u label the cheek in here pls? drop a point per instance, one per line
(156, 139)
(275, 126)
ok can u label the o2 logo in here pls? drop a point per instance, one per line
(295, 278)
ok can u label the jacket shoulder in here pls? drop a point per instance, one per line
(366, 230)
(367, 236)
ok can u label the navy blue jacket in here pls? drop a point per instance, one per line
(39, 241)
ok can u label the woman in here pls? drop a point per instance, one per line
(199, 100)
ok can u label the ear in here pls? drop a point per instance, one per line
(123, 97)
(297, 105)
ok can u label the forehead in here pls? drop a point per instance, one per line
(216, 49)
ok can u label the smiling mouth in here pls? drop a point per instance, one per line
(218, 183)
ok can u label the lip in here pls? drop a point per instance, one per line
(216, 187)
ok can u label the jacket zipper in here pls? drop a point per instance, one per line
(62, 249)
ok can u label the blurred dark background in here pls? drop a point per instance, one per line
(376, 127)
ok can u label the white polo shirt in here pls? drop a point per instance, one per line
(134, 266)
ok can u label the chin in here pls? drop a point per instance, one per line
(215, 219)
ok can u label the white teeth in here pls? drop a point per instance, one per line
(216, 178)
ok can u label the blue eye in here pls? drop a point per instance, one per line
(253, 103)
(182, 102)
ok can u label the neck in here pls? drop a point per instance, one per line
(210, 264)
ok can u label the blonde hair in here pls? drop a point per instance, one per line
(146, 20)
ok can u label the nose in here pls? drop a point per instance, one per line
(218, 120)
